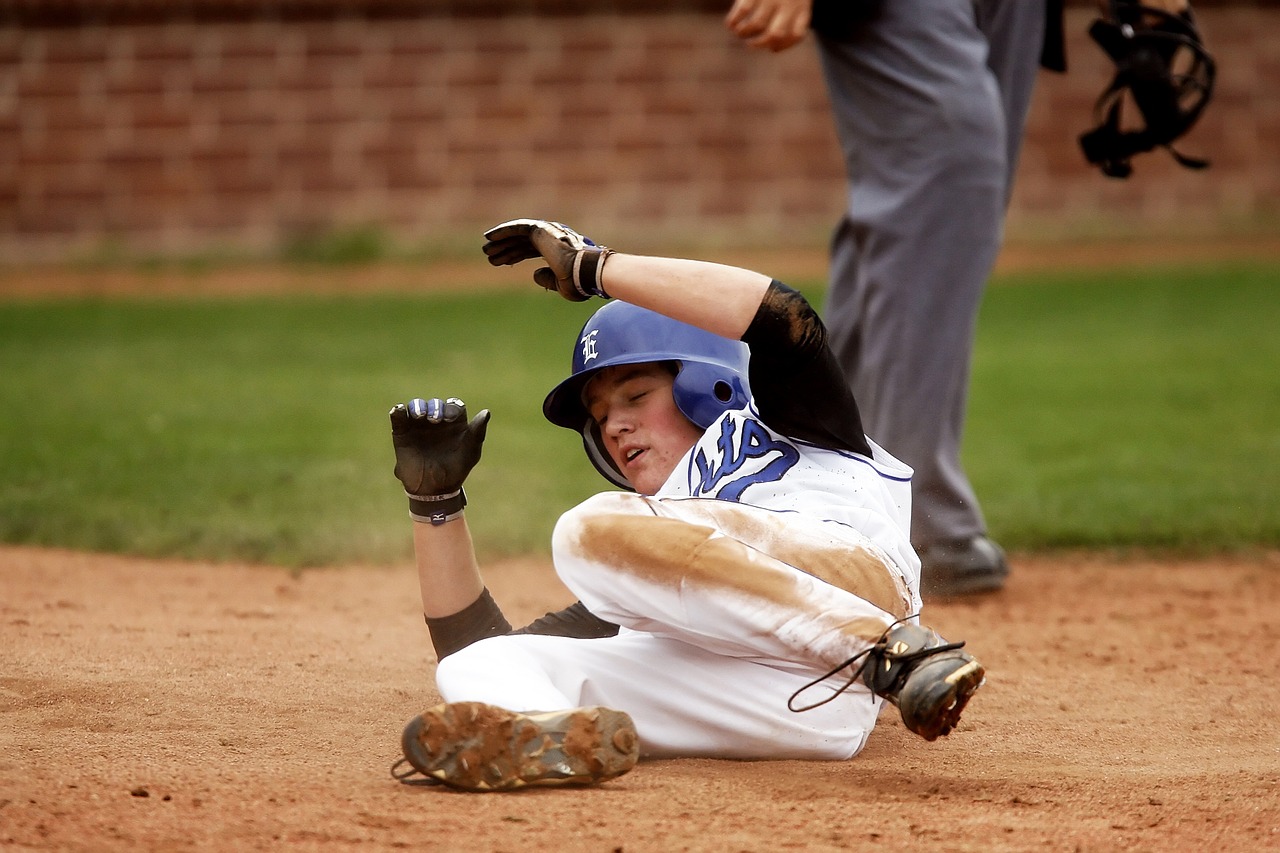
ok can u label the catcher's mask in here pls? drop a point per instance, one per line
(1164, 67)
(711, 376)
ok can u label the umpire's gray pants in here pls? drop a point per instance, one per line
(930, 99)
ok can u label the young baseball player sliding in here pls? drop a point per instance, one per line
(752, 593)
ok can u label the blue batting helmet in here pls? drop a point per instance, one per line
(711, 377)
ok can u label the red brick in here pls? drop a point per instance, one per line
(420, 42)
(584, 111)
(9, 139)
(505, 113)
(60, 220)
(53, 81)
(504, 45)
(58, 151)
(164, 47)
(252, 45)
(395, 75)
(59, 190)
(566, 142)
(675, 106)
(10, 50)
(453, 119)
(74, 47)
(324, 41)
(326, 112)
(149, 81)
(242, 183)
(410, 114)
(687, 37)
(241, 76)
(313, 76)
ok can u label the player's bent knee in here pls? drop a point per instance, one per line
(567, 539)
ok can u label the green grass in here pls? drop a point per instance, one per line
(1107, 410)
(1130, 410)
(257, 429)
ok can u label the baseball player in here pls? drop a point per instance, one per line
(750, 590)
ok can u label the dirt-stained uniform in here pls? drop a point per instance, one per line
(755, 596)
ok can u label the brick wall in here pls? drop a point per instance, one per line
(247, 124)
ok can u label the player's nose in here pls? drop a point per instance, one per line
(618, 424)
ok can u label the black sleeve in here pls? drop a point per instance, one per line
(796, 382)
(480, 619)
(574, 621)
(483, 618)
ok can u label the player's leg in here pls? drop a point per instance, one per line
(920, 121)
(718, 636)
(684, 700)
(698, 571)
(656, 566)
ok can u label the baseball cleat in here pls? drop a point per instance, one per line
(479, 747)
(928, 679)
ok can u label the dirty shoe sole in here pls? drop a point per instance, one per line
(479, 747)
(936, 693)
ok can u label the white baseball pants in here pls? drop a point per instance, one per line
(719, 629)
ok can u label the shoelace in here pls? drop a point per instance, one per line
(919, 654)
(407, 777)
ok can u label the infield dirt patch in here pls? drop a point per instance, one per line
(176, 706)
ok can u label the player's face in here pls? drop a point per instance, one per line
(642, 430)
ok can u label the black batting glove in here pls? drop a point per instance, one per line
(436, 448)
(575, 264)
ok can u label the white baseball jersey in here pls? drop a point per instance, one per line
(741, 459)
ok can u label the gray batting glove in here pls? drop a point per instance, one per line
(436, 448)
(575, 264)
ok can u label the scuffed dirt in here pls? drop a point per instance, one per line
(175, 706)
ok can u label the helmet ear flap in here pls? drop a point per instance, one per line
(706, 390)
(593, 443)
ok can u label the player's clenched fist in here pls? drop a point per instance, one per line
(436, 448)
(575, 264)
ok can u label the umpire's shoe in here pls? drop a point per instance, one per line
(930, 680)
(961, 567)
(479, 747)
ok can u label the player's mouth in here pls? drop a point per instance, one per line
(631, 454)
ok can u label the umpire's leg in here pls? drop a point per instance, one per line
(921, 123)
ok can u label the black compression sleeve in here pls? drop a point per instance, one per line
(480, 619)
(796, 381)
(574, 621)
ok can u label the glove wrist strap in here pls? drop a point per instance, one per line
(588, 269)
(437, 509)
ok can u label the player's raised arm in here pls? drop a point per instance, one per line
(436, 447)
(719, 298)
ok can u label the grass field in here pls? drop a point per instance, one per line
(1109, 409)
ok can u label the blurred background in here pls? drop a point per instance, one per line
(314, 176)
(152, 128)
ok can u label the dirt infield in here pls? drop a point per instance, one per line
(174, 706)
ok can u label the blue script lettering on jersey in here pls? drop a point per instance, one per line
(742, 444)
